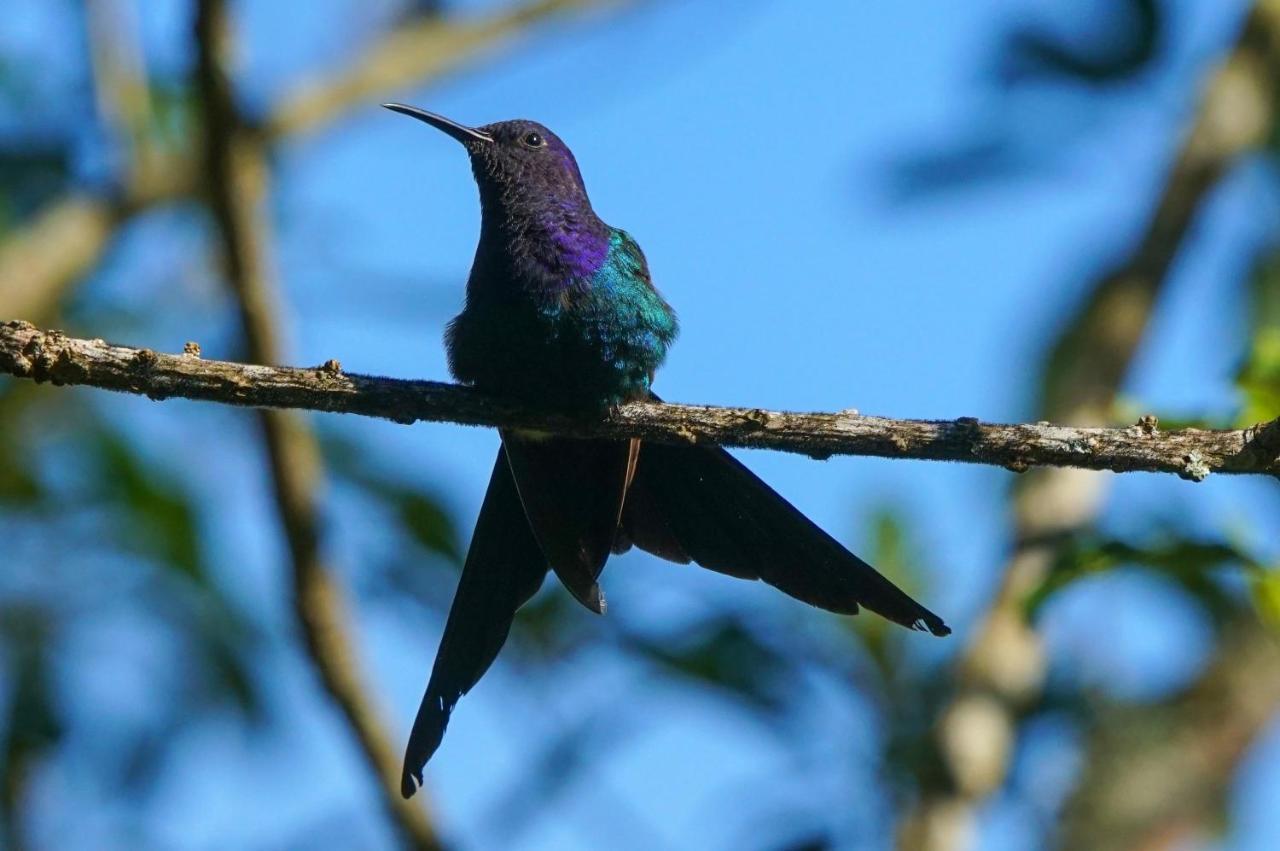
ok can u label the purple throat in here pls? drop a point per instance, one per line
(582, 250)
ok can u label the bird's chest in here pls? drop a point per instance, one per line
(594, 341)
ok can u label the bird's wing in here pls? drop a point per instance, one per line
(701, 504)
(504, 568)
(572, 492)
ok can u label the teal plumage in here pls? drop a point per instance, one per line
(593, 342)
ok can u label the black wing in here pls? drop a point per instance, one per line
(504, 568)
(572, 492)
(701, 504)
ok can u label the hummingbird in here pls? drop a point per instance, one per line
(561, 313)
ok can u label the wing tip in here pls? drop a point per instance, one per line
(929, 622)
(410, 780)
(592, 598)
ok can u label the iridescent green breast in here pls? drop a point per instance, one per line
(591, 342)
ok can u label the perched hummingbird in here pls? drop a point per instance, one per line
(561, 313)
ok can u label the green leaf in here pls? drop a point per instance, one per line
(19, 485)
(225, 641)
(1129, 410)
(421, 515)
(1265, 590)
(174, 107)
(32, 725)
(159, 517)
(31, 175)
(1259, 375)
(1124, 46)
(549, 626)
(158, 520)
(1188, 562)
(892, 551)
(1259, 379)
(426, 522)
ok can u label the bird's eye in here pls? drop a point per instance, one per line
(533, 140)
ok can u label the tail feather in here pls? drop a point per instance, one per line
(559, 503)
(572, 492)
(504, 568)
(700, 503)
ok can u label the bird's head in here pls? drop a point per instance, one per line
(516, 163)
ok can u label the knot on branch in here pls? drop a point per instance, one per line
(143, 363)
(17, 363)
(1017, 464)
(1263, 441)
(45, 357)
(686, 434)
(967, 429)
(1195, 468)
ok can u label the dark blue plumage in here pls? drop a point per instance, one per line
(561, 312)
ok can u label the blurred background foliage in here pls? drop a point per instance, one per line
(133, 643)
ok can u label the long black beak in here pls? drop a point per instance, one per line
(453, 128)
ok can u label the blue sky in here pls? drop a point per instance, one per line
(750, 152)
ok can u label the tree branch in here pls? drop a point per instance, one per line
(1004, 666)
(55, 247)
(1155, 774)
(27, 352)
(411, 54)
(236, 184)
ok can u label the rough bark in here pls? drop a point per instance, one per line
(27, 352)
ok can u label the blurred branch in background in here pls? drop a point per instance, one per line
(1154, 775)
(1002, 671)
(1097, 45)
(1191, 453)
(236, 183)
(417, 51)
(121, 86)
(54, 233)
(144, 523)
(31, 725)
(41, 259)
(1259, 375)
(65, 240)
(1125, 51)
